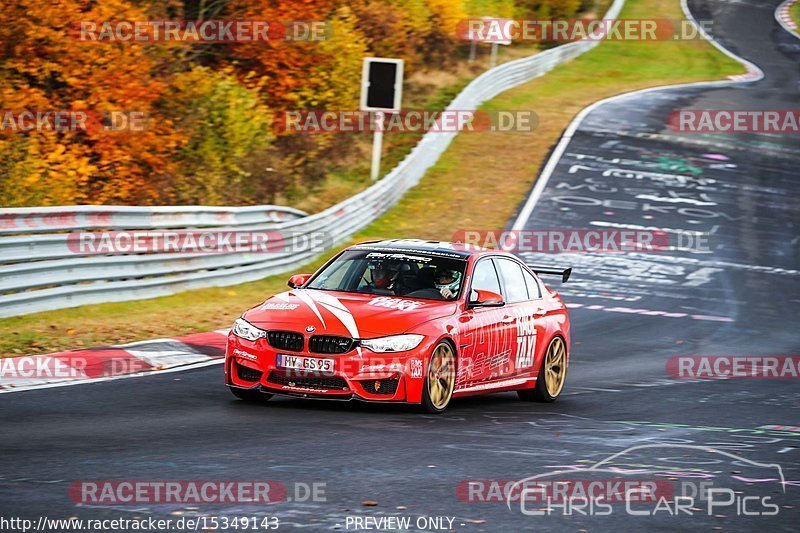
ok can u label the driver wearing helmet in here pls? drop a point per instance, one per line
(447, 281)
(383, 275)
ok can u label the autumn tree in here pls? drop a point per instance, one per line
(208, 135)
(46, 67)
(225, 122)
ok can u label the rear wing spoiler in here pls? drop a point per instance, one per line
(564, 273)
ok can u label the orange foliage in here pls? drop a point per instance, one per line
(46, 67)
(285, 65)
(208, 105)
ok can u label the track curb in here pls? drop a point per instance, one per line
(93, 365)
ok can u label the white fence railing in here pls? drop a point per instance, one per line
(40, 271)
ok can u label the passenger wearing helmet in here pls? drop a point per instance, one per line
(447, 281)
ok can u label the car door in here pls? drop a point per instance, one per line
(522, 316)
(484, 352)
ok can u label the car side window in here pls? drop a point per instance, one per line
(534, 290)
(485, 277)
(513, 282)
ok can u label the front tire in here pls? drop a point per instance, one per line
(250, 395)
(440, 380)
(552, 374)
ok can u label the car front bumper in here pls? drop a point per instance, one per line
(358, 374)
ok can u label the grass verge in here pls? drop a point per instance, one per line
(794, 12)
(478, 183)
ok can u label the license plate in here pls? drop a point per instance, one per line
(305, 363)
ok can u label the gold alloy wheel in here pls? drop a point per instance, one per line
(441, 376)
(555, 366)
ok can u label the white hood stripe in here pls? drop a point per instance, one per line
(332, 304)
(310, 303)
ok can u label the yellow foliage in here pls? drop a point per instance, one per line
(335, 82)
(448, 13)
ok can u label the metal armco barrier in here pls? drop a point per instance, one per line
(39, 271)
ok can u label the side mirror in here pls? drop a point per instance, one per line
(298, 280)
(480, 298)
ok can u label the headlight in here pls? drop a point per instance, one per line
(395, 343)
(244, 329)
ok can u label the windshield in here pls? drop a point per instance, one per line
(408, 274)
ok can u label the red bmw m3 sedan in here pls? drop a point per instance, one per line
(412, 321)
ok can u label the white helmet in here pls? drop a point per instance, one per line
(446, 278)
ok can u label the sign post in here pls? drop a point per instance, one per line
(377, 145)
(381, 92)
(496, 40)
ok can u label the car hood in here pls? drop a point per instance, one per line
(347, 314)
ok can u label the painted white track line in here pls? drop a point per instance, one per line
(753, 74)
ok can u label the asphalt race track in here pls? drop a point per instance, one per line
(631, 314)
